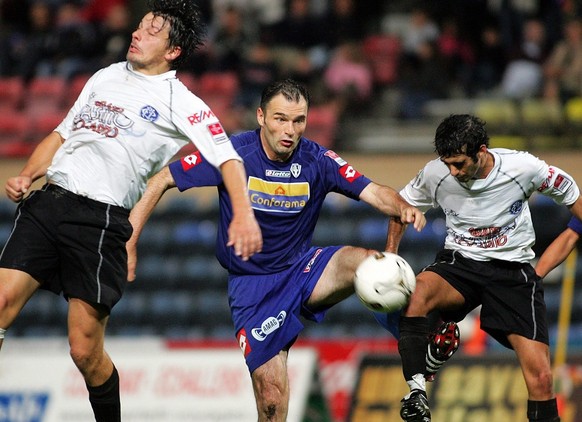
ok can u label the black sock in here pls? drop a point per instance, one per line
(543, 411)
(105, 399)
(412, 345)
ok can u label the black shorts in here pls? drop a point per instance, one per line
(71, 245)
(511, 295)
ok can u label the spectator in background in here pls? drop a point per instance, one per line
(523, 75)
(229, 42)
(342, 23)
(421, 29)
(97, 12)
(115, 36)
(457, 54)
(348, 77)
(257, 70)
(491, 59)
(563, 68)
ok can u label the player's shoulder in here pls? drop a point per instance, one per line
(246, 143)
(510, 158)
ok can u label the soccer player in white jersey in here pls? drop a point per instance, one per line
(70, 236)
(484, 195)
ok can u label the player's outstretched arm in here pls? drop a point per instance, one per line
(557, 252)
(388, 201)
(141, 212)
(244, 233)
(36, 166)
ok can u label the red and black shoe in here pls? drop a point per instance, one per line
(442, 344)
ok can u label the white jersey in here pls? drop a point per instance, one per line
(124, 127)
(490, 218)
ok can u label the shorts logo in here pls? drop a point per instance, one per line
(217, 132)
(149, 113)
(269, 326)
(191, 160)
(242, 342)
(311, 261)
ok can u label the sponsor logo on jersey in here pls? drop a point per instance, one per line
(562, 182)
(283, 174)
(349, 173)
(278, 197)
(243, 342)
(200, 116)
(485, 237)
(149, 113)
(269, 326)
(103, 118)
(311, 261)
(339, 160)
(217, 132)
(516, 207)
(191, 160)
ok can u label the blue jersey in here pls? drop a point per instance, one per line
(286, 197)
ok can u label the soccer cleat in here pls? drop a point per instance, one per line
(442, 344)
(415, 407)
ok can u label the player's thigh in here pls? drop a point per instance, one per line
(337, 279)
(86, 324)
(16, 287)
(433, 292)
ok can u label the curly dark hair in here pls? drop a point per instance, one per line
(460, 134)
(187, 28)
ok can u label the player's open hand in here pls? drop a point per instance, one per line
(412, 215)
(244, 234)
(16, 187)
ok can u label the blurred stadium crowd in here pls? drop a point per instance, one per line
(349, 53)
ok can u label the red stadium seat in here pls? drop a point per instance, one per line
(44, 124)
(14, 134)
(218, 89)
(45, 94)
(322, 125)
(383, 53)
(74, 89)
(11, 93)
(189, 80)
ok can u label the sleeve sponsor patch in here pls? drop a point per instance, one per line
(217, 132)
(191, 160)
(339, 160)
(562, 182)
(349, 173)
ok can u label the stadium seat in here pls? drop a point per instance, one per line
(542, 118)
(573, 114)
(15, 134)
(322, 123)
(189, 80)
(508, 141)
(218, 89)
(383, 54)
(500, 114)
(44, 123)
(11, 93)
(45, 94)
(74, 89)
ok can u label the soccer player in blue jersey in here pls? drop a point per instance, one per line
(289, 177)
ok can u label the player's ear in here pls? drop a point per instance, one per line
(260, 116)
(173, 53)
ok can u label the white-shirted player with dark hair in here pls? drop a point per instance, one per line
(484, 195)
(70, 236)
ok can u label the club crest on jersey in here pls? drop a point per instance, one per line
(217, 132)
(516, 207)
(191, 160)
(149, 113)
(295, 169)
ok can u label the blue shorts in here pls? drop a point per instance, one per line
(267, 309)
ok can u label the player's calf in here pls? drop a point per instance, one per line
(442, 344)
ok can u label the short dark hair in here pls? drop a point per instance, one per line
(292, 90)
(460, 134)
(187, 28)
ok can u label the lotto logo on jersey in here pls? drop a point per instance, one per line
(217, 132)
(349, 173)
(191, 160)
(243, 342)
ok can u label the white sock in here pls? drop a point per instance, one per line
(417, 382)
(2, 331)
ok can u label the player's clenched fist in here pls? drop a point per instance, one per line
(16, 187)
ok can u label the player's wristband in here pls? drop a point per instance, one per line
(575, 225)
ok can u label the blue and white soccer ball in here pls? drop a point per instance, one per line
(384, 282)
